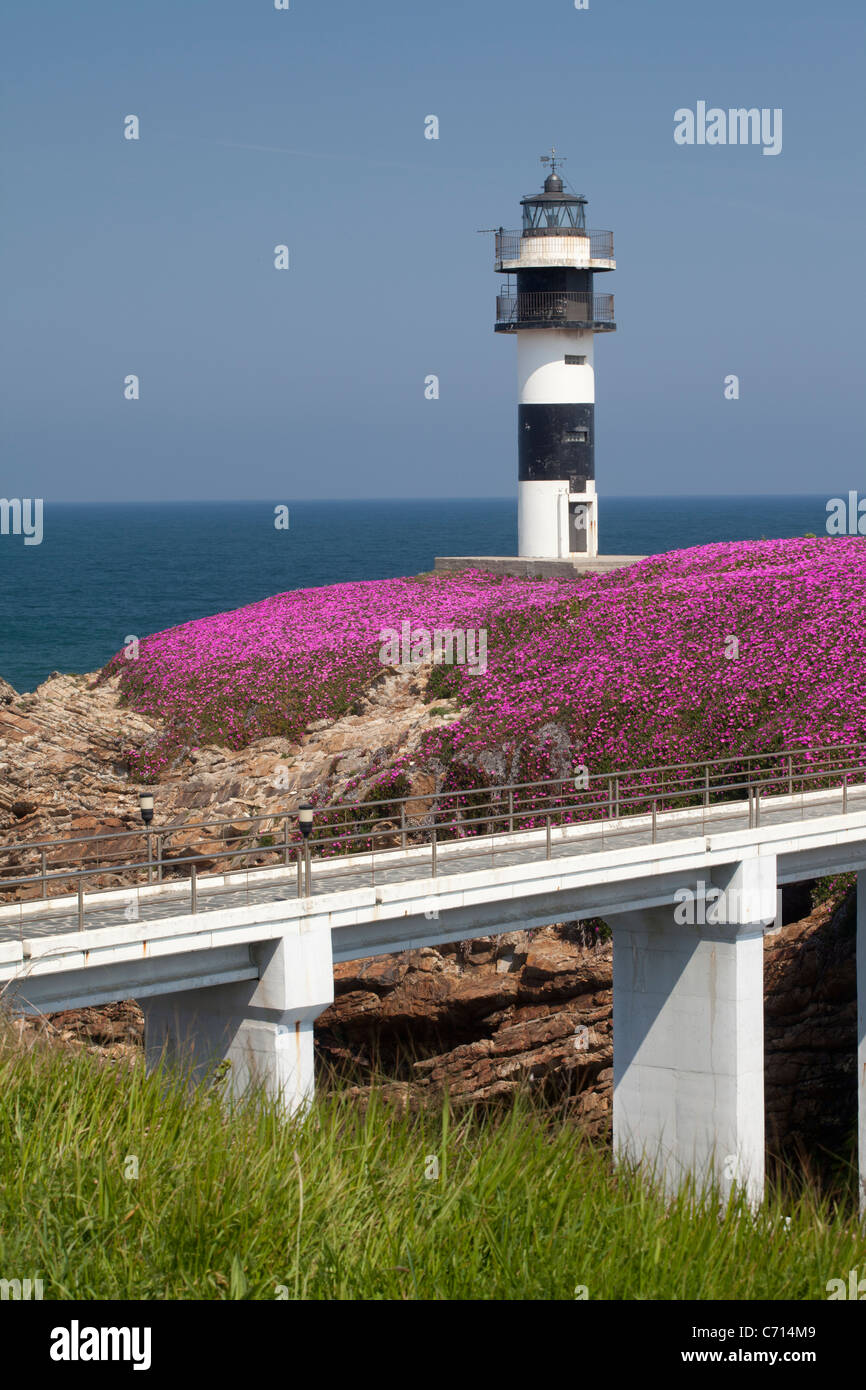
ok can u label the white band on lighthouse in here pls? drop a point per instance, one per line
(555, 368)
(555, 523)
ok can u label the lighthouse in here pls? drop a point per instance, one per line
(548, 302)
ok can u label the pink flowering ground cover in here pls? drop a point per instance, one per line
(629, 669)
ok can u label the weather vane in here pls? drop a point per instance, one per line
(552, 159)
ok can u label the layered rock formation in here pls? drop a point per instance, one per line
(63, 773)
(810, 1029)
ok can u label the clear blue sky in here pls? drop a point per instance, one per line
(306, 127)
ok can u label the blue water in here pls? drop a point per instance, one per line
(106, 572)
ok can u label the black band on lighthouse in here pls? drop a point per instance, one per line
(556, 442)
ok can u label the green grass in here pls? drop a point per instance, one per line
(338, 1205)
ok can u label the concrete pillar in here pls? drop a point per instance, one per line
(263, 1027)
(861, 1031)
(688, 1030)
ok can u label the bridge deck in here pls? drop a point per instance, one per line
(454, 857)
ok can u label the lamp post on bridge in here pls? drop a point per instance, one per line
(305, 825)
(145, 806)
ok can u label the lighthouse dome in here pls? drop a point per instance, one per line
(553, 184)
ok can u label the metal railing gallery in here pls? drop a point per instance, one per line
(435, 818)
(508, 244)
(554, 306)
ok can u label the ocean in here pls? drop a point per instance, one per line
(106, 572)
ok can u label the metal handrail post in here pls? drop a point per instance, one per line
(159, 858)
(547, 839)
(706, 784)
(655, 818)
(80, 902)
(434, 858)
(44, 870)
(308, 870)
(299, 858)
(511, 810)
(790, 775)
(149, 857)
(402, 825)
(287, 853)
(845, 795)
(193, 888)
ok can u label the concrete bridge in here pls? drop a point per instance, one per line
(238, 965)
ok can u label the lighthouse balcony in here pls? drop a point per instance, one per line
(557, 309)
(554, 246)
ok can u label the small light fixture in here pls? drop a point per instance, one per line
(145, 804)
(305, 819)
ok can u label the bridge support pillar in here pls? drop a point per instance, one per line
(263, 1028)
(860, 949)
(688, 1030)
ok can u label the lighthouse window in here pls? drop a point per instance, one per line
(573, 361)
(575, 437)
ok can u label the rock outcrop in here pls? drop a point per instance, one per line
(810, 1030)
(481, 1018)
(63, 771)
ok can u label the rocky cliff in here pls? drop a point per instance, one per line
(63, 770)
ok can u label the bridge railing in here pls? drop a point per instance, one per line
(52, 867)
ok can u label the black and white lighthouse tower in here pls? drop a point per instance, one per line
(548, 302)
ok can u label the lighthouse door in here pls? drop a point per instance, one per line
(578, 527)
